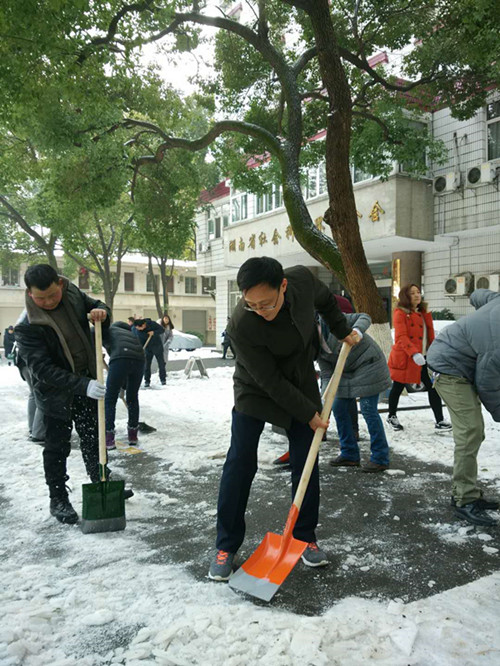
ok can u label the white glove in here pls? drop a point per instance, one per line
(96, 390)
(360, 335)
(419, 359)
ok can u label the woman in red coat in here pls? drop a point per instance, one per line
(413, 333)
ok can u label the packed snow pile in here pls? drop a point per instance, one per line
(73, 599)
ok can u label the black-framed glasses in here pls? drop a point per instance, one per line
(262, 308)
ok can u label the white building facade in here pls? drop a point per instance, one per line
(442, 231)
(191, 300)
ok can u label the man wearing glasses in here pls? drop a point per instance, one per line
(275, 337)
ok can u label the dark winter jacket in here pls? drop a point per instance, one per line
(8, 341)
(156, 344)
(45, 351)
(121, 342)
(365, 372)
(470, 348)
(274, 378)
(408, 340)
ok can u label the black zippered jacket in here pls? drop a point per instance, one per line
(45, 352)
(274, 378)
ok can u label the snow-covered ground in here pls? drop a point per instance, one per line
(66, 597)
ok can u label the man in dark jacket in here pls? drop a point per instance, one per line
(126, 368)
(8, 342)
(465, 364)
(146, 329)
(54, 341)
(274, 334)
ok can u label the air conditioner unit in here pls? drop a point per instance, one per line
(203, 247)
(482, 174)
(459, 285)
(491, 281)
(447, 183)
(489, 172)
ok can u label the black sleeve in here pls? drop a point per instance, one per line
(36, 354)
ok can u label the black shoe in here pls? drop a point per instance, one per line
(482, 504)
(373, 468)
(60, 508)
(342, 462)
(473, 514)
(147, 384)
(128, 493)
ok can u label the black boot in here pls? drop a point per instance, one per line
(60, 506)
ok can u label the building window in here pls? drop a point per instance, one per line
(190, 285)
(170, 285)
(207, 285)
(83, 278)
(149, 282)
(322, 178)
(272, 198)
(10, 277)
(358, 175)
(493, 127)
(239, 208)
(129, 281)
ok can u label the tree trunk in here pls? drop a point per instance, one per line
(341, 215)
(155, 286)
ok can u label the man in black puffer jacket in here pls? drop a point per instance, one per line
(54, 341)
(126, 368)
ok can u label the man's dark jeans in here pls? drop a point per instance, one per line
(123, 373)
(238, 473)
(58, 443)
(160, 358)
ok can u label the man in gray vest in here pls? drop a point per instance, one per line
(465, 364)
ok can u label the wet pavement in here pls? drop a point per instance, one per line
(390, 536)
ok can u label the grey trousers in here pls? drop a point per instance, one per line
(36, 425)
(464, 406)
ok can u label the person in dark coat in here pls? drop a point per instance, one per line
(55, 342)
(8, 342)
(274, 334)
(464, 362)
(126, 369)
(226, 343)
(36, 425)
(413, 335)
(365, 376)
(152, 333)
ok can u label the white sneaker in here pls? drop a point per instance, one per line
(443, 425)
(394, 423)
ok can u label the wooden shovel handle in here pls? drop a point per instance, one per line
(101, 421)
(328, 398)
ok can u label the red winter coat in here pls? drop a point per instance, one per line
(408, 340)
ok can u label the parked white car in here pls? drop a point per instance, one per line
(185, 341)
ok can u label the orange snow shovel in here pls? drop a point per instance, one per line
(264, 571)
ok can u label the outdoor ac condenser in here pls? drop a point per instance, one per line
(459, 285)
(488, 281)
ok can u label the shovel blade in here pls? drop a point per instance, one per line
(103, 507)
(266, 569)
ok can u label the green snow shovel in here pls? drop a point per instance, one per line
(103, 507)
